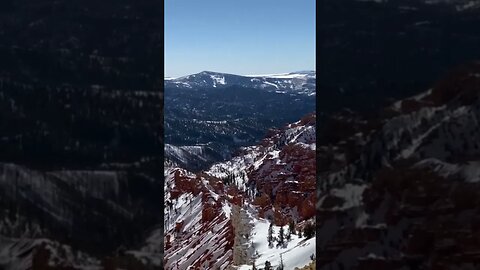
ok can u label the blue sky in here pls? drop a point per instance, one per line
(239, 36)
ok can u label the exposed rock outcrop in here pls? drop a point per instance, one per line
(400, 191)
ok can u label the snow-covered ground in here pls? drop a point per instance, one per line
(194, 240)
(296, 253)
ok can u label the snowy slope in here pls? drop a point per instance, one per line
(297, 253)
(194, 236)
(397, 191)
(253, 157)
(217, 218)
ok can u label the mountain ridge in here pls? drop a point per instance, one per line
(300, 82)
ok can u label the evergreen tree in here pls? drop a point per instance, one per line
(309, 230)
(270, 235)
(268, 265)
(288, 235)
(281, 237)
(291, 227)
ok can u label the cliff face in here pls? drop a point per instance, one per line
(286, 177)
(198, 230)
(400, 191)
(278, 173)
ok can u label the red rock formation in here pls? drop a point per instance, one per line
(307, 209)
(286, 185)
(262, 201)
(168, 244)
(209, 212)
(179, 226)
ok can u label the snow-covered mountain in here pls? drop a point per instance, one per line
(78, 219)
(302, 82)
(400, 191)
(204, 126)
(219, 218)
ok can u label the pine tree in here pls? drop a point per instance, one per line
(270, 235)
(291, 227)
(288, 235)
(309, 230)
(280, 237)
(268, 265)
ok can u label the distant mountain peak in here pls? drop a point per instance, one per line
(299, 82)
(208, 72)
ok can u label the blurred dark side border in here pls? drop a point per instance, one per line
(81, 128)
